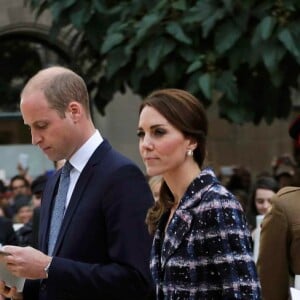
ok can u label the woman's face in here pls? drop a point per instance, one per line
(263, 200)
(24, 214)
(162, 147)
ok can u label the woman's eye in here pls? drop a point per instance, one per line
(159, 132)
(140, 134)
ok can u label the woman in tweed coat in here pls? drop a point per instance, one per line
(201, 248)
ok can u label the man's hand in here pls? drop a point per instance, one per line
(26, 262)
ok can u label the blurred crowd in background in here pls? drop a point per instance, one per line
(20, 200)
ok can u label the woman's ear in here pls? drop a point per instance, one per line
(192, 145)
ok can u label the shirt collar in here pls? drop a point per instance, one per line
(84, 153)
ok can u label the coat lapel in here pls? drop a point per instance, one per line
(177, 229)
(181, 222)
(164, 246)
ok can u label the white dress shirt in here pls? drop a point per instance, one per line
(80, 159)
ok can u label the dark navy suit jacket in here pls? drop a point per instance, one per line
(103, 247)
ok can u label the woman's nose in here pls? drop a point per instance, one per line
(147, 142)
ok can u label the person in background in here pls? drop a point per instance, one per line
(284, 168)
(239, 184)
(28, 233)
(240, 179)
(102, 247)
(37, 188)
(23, 209)
(263, 190)
(242, 197)
(19, 185)
(7, 233)
(202, 245)
(20, 189)
(5, 204)
(279, 260)
(23, 223)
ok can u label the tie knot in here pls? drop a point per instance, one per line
(67, 168)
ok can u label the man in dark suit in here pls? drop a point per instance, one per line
(102, 249)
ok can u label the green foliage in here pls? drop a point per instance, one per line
(19, 61)
(245, 51)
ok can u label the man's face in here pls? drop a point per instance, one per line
(49, 131)
(19, 187)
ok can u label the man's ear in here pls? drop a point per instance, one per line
(75, 110)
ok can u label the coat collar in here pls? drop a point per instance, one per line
(177, 229)
(164, 245)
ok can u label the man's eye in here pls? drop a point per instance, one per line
(41, 126)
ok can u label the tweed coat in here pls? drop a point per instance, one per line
(205, 252)
(279, 253)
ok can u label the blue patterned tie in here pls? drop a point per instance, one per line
(59, 205)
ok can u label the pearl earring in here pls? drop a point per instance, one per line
(190, 152)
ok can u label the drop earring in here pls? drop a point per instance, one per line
(190, 152)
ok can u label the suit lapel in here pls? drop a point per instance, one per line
(79, 189)
(74, 202)
(47, 205)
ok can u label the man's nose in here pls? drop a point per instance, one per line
(35, 138)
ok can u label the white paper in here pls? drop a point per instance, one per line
(256, 237)
(11, 280)
(295, 294)
(297, 282)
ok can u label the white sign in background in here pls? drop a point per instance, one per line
(37, 161)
